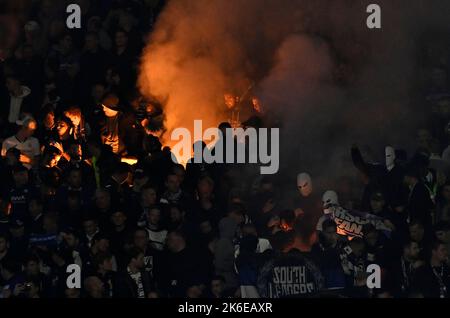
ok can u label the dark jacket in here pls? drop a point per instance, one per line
(420, 205)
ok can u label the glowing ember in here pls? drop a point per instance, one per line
(129, 160)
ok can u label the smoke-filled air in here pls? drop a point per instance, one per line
(320, 74)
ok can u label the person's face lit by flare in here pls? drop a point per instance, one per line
(230, 101)
(62, 128)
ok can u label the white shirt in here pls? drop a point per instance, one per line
(29, 147)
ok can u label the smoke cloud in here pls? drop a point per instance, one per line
(321, 74)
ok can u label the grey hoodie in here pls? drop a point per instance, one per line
(224, 252)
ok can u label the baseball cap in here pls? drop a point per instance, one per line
(111, 101)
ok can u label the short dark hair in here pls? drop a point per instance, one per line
(133, 253)
(74, 169)
(89, 217)
(74, 195)
(51, 150)
(141, 229)
(31, 258)
(66, 120)
(19, 168)
(442, 226)
(179, 233)
(207, 179)
(120, 30)
(148, 186)
(218, 277)
(357, 241)
(224, 125)
(100, 258)
(177, 206)
(407, 243)
(281, 240)
(415, 222)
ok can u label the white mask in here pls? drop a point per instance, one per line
(304, 184)
(390, 157)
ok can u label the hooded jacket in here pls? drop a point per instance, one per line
(224, 252)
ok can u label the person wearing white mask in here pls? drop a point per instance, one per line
(307, 207)
(390, 158)
(330, 203)
(304, 184)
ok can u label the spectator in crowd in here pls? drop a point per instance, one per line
(88, 178)
(156, 231)
(94, 287)
(432, 279)
(24, 141)
(134, 281)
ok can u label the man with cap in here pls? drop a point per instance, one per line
(24, 141)
(116, 127)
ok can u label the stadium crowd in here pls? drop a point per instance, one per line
(70, 114)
